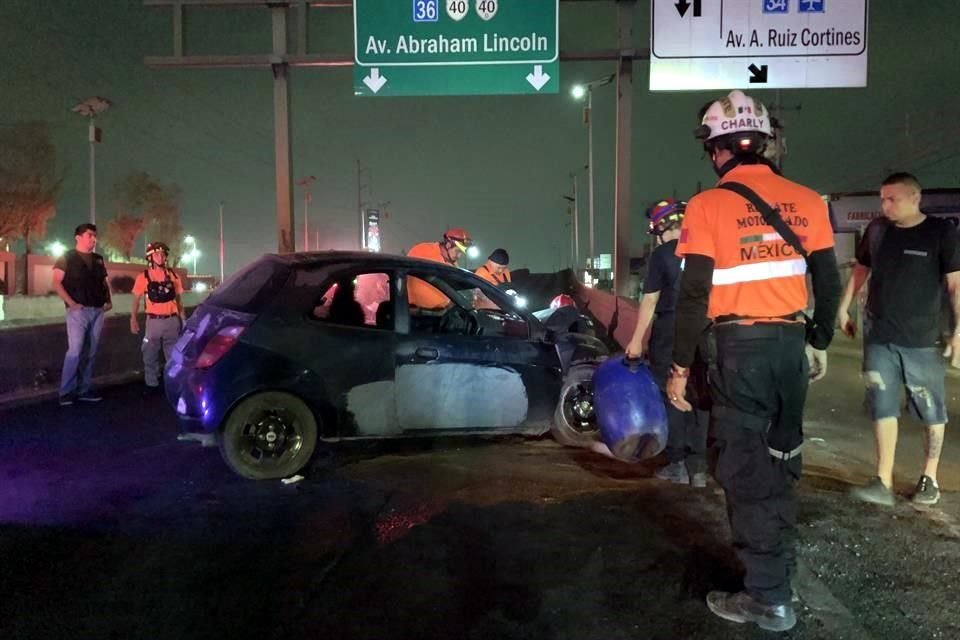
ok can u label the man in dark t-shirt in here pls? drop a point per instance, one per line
(80, 279)
(653, 337)
(909, 257)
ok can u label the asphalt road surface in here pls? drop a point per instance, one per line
(110, 528)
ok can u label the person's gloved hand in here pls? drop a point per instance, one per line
(817, 358)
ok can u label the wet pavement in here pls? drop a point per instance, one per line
(110, 528)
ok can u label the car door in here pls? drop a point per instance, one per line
(344, 343)
(470, 369)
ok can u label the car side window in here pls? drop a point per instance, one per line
(460, 307)
(431, 305)
(494, 318)
(361, 300)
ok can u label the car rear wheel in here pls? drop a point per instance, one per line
(269, 435)
(575, 420)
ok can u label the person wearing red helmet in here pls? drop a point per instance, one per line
(449, 250)
(562, 300)
(653, 337)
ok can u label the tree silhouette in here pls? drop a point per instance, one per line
(139, 197)
(30, 182)
(121, 233)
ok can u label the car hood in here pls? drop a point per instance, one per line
(578, 348)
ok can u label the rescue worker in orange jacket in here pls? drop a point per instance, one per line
(161, 288)
(449, 250)
(745, 276)
(495, 270)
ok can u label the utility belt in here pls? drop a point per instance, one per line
(760, 328)
(161, 316)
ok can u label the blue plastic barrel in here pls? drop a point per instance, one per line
(630, 410)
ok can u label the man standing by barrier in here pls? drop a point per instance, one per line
(745, 269)
(908, 256)
(165, 315)
(80, 279)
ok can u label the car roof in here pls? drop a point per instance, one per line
(367, 259)
(359, 258)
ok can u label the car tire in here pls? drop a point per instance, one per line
(268, 435)
(572, 426)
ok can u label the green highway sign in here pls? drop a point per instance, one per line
(455, 47)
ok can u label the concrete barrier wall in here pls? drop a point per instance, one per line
(47, 309)
(32, 357)
(617, 316)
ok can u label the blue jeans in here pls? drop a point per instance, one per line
(83, 336)
(888, 368)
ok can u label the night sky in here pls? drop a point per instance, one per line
(495, 165)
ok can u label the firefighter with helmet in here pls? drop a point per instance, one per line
(747, 247)
(449, 250)
(653, 338)
(161, 288)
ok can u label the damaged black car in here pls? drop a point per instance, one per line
(301, 349)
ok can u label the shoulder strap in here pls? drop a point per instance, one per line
(771, 215)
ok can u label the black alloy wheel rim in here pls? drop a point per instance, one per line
(578, 409)
(269, 436)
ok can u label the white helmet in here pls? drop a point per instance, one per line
(736, 113)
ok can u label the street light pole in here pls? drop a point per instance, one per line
(92, 138)
(576, 224)
(588, 116)
(90, 109)
(579, 91)
(305, 182)
(221, 241)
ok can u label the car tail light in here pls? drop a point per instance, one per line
(218, 346)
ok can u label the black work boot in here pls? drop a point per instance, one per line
(740, 607)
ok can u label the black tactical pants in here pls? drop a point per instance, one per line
(759, 388)
(687, 430)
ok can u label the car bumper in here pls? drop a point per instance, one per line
(193, 401)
